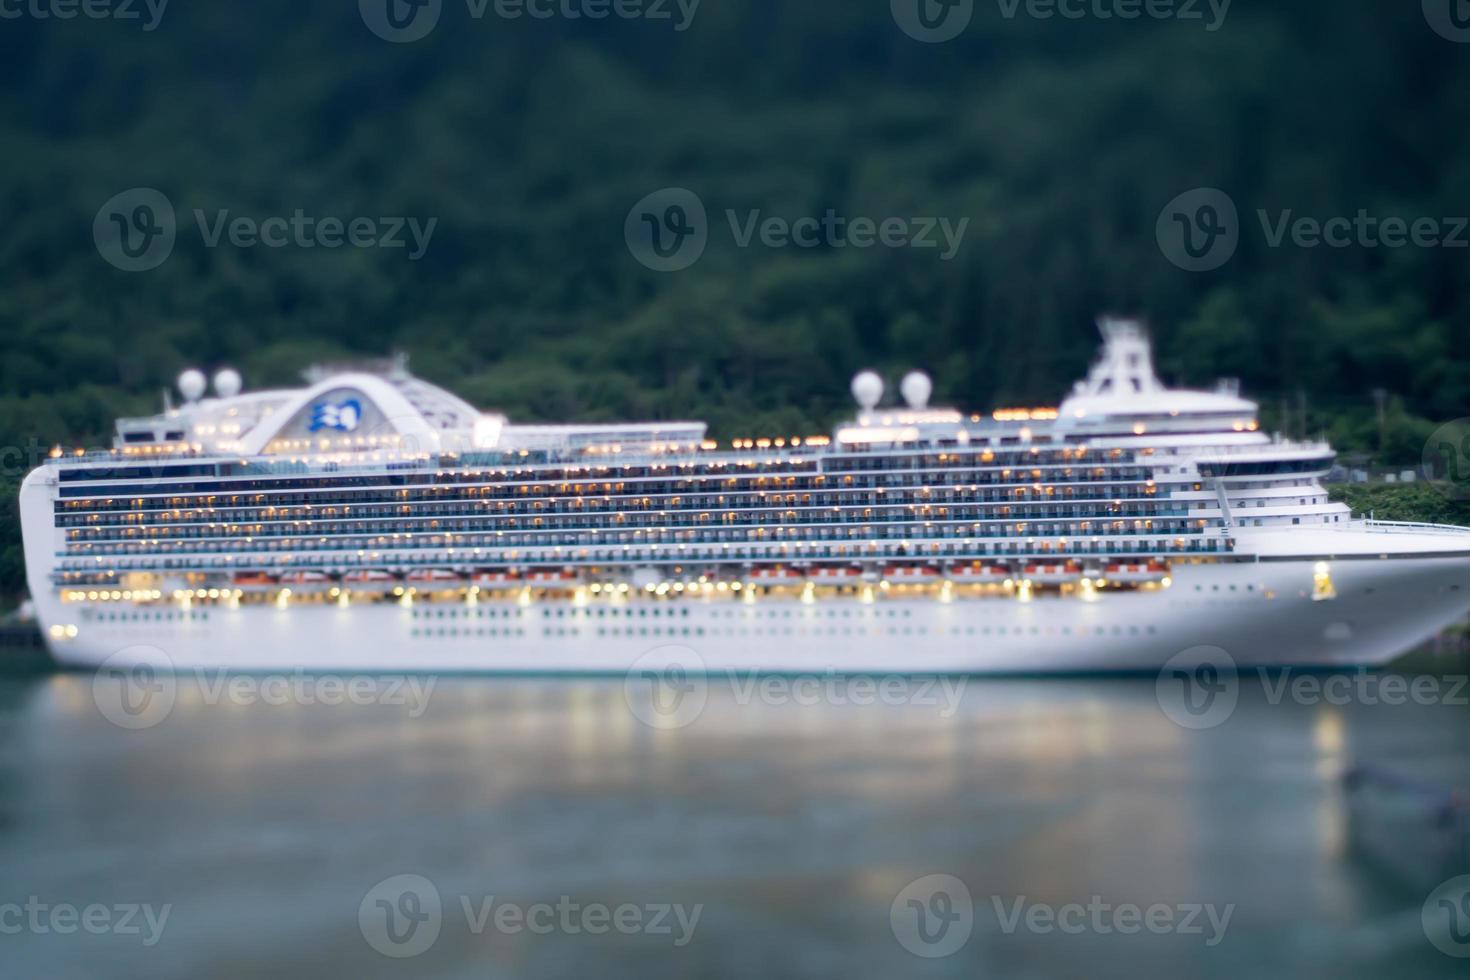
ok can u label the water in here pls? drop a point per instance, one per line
(793, 828)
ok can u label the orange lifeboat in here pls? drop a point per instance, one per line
(835, 575)
(1137, 572)
(496, 580)
(776, 575)
(370, 580)
(255, 582)
(911, 574)
(552, 579)
(978, 573)
(306, 581)
(1054, 573)
(431, 577)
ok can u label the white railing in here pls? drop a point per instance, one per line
(1271, 449)
(1391, 527)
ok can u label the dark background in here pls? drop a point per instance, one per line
(530, 140)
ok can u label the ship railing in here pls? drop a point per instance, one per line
(1398, 527)
(1259, 449)
(472, 504)
(291, 542)
(81, 576)
(121, 459)
(616, 554)
(682, 519)
(837, 463)
(1126, 479)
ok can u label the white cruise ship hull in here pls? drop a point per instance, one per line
(1260, 613)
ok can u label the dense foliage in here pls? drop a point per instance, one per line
(529, 140)
(1438, 503)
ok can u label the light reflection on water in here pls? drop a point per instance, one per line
(794, 826)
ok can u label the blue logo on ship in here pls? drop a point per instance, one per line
(342, 416)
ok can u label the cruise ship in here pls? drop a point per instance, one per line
(371, 521)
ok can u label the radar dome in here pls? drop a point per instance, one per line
(227, 382)
(192, 384)
(867, 389)
(917, 388)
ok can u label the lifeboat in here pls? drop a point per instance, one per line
(835, 575)
(496, 581)
(370, 580)
(776, 575)
(1054, 574)
(255, 582)
(1137, 572)
(552, 579)
(911, 574)
(306, 581)
(431, 577)
(978, 573)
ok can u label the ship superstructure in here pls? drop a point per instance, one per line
(372, 520)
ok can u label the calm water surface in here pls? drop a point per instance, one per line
(793, 826)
